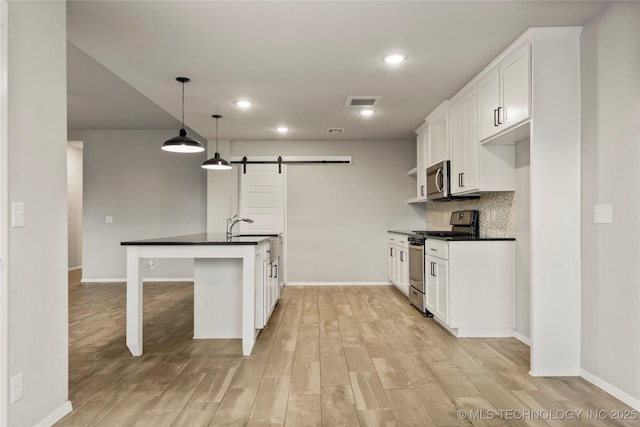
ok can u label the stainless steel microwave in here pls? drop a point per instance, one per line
(438, 181)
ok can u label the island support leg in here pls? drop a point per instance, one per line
(248, 300)
(134, 300)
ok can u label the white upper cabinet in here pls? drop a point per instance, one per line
(438, 144)
(464, 144)
(504, 94)
(421, 169)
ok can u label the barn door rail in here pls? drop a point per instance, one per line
(289, 160)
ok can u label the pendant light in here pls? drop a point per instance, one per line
(182, 143)
(216, 162)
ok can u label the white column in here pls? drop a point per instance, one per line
(555, 205)
(248, 299)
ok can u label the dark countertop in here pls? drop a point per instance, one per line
(407, 232)
(452, 239)
(202, 239)
(471, 239)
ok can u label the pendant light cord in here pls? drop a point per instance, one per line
(217, 135)
(182, 105)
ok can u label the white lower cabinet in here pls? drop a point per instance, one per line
(470, 286)
(267, 286)
(272, 289)
(437, 295)
(398, 255)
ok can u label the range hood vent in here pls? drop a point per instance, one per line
(362, 101)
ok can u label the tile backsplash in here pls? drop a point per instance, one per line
(497, 214)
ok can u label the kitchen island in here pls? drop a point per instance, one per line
(226, 272)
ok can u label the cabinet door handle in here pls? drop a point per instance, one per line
(276, 273)
(462, 179)
(391, 252)
(270, 270)
(401, 256)
(422, 190)
(495, 117)
(499, 111)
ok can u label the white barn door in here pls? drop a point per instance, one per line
(262, 198)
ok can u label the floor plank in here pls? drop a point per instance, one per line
(330, 356)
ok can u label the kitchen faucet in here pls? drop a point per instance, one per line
(233, 221)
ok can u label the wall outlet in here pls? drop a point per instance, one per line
(151, 264)
(603, 214)
(17, 388)
(108, 219)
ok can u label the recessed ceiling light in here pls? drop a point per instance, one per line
(394, 58)
(282, 129)
(367, 112)
(243, 103)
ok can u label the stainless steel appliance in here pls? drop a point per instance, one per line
(416, 271)
(465, 226)
(439, 183)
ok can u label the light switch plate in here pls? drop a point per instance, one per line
(17, 214)
(108, 219)
(603, 214)
(17, 388)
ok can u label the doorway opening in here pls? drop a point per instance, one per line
(74, 206)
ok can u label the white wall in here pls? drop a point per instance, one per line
(611, 175)
(38, 310)
(148, 192)
(523, 239)
(338, 215)
(220, 205)
(74, 206)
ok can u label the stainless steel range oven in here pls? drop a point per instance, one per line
(465, 227)
(416, 271)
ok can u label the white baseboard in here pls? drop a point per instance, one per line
(522, 338)
(611, 389)
(56, 415)
(338, 283)
(144, 279)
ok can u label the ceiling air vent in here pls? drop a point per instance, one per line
(362, 101)
(335, 130)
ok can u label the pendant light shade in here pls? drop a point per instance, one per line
(216, 162)
(182, 143)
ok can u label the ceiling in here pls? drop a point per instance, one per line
(296, 60)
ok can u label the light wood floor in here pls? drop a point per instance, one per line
(330, 356)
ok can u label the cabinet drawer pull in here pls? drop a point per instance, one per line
(433, 249)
